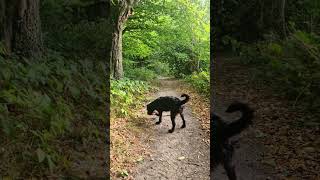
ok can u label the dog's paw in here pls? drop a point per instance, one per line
(158, 122)
(183, 126)
(171, 131)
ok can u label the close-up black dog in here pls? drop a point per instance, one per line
(222, 149)
(169, 103)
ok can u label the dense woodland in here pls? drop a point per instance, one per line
(53, 86)
(54, 60)
(281, 39)
(56, 57)
(271, 49)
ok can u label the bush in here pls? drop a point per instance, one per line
(160, 68)
(126, 93)
(200, 81)
(142, 74)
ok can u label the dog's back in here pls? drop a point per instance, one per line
(167, 103)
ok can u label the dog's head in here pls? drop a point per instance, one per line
(150, 109)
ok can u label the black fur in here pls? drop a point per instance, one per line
(169, 103)
(222, 151)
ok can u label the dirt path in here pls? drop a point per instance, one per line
(229, 85)
(248, 151)
(180, 155)
(283, 142)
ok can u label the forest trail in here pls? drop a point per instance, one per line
(265, 150)
(230, 84)
(179, 155)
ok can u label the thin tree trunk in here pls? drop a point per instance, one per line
(2, 18)
(282, 19)
(261, 19)
(116, 53)
(311, 23)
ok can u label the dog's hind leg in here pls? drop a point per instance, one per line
(173, 116)
(160, 117)
(183, 121)
(227, 161)
(182, 117)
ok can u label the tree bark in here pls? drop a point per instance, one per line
(6, 13)
(116, 53)
(282, 19)
(21, 27)
(120, 14)
(261, 19)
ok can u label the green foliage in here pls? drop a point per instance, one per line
(67, 28)
(143, 74)
(200, 81)
(249, 21)
(160, 68)
(173, 35)
(3, 50)
(292, 66)
(125, 94)
(41, 99)
(83, 39)
(45, 102)
(274, 49)
(230, 42)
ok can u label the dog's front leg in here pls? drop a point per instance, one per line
(160, 117)
(173, 116)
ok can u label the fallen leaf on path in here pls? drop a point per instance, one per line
(140, 159)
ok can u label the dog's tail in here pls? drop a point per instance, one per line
(187, 97)
(243, 122)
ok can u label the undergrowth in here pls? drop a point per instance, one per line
(126, 124)
(126, 95)
(200, 81)
(290, 66)
(41, 100)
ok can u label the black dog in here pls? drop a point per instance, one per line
(169, 103)
(222, 151)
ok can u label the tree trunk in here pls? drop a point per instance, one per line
(282, 19)
(6, 13)
(311, 23)
(116, 53)
(261, 19)
(21, 30)
(120, 14)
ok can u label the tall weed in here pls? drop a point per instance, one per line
(292, 66)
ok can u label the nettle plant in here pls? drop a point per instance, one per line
(126, 94)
